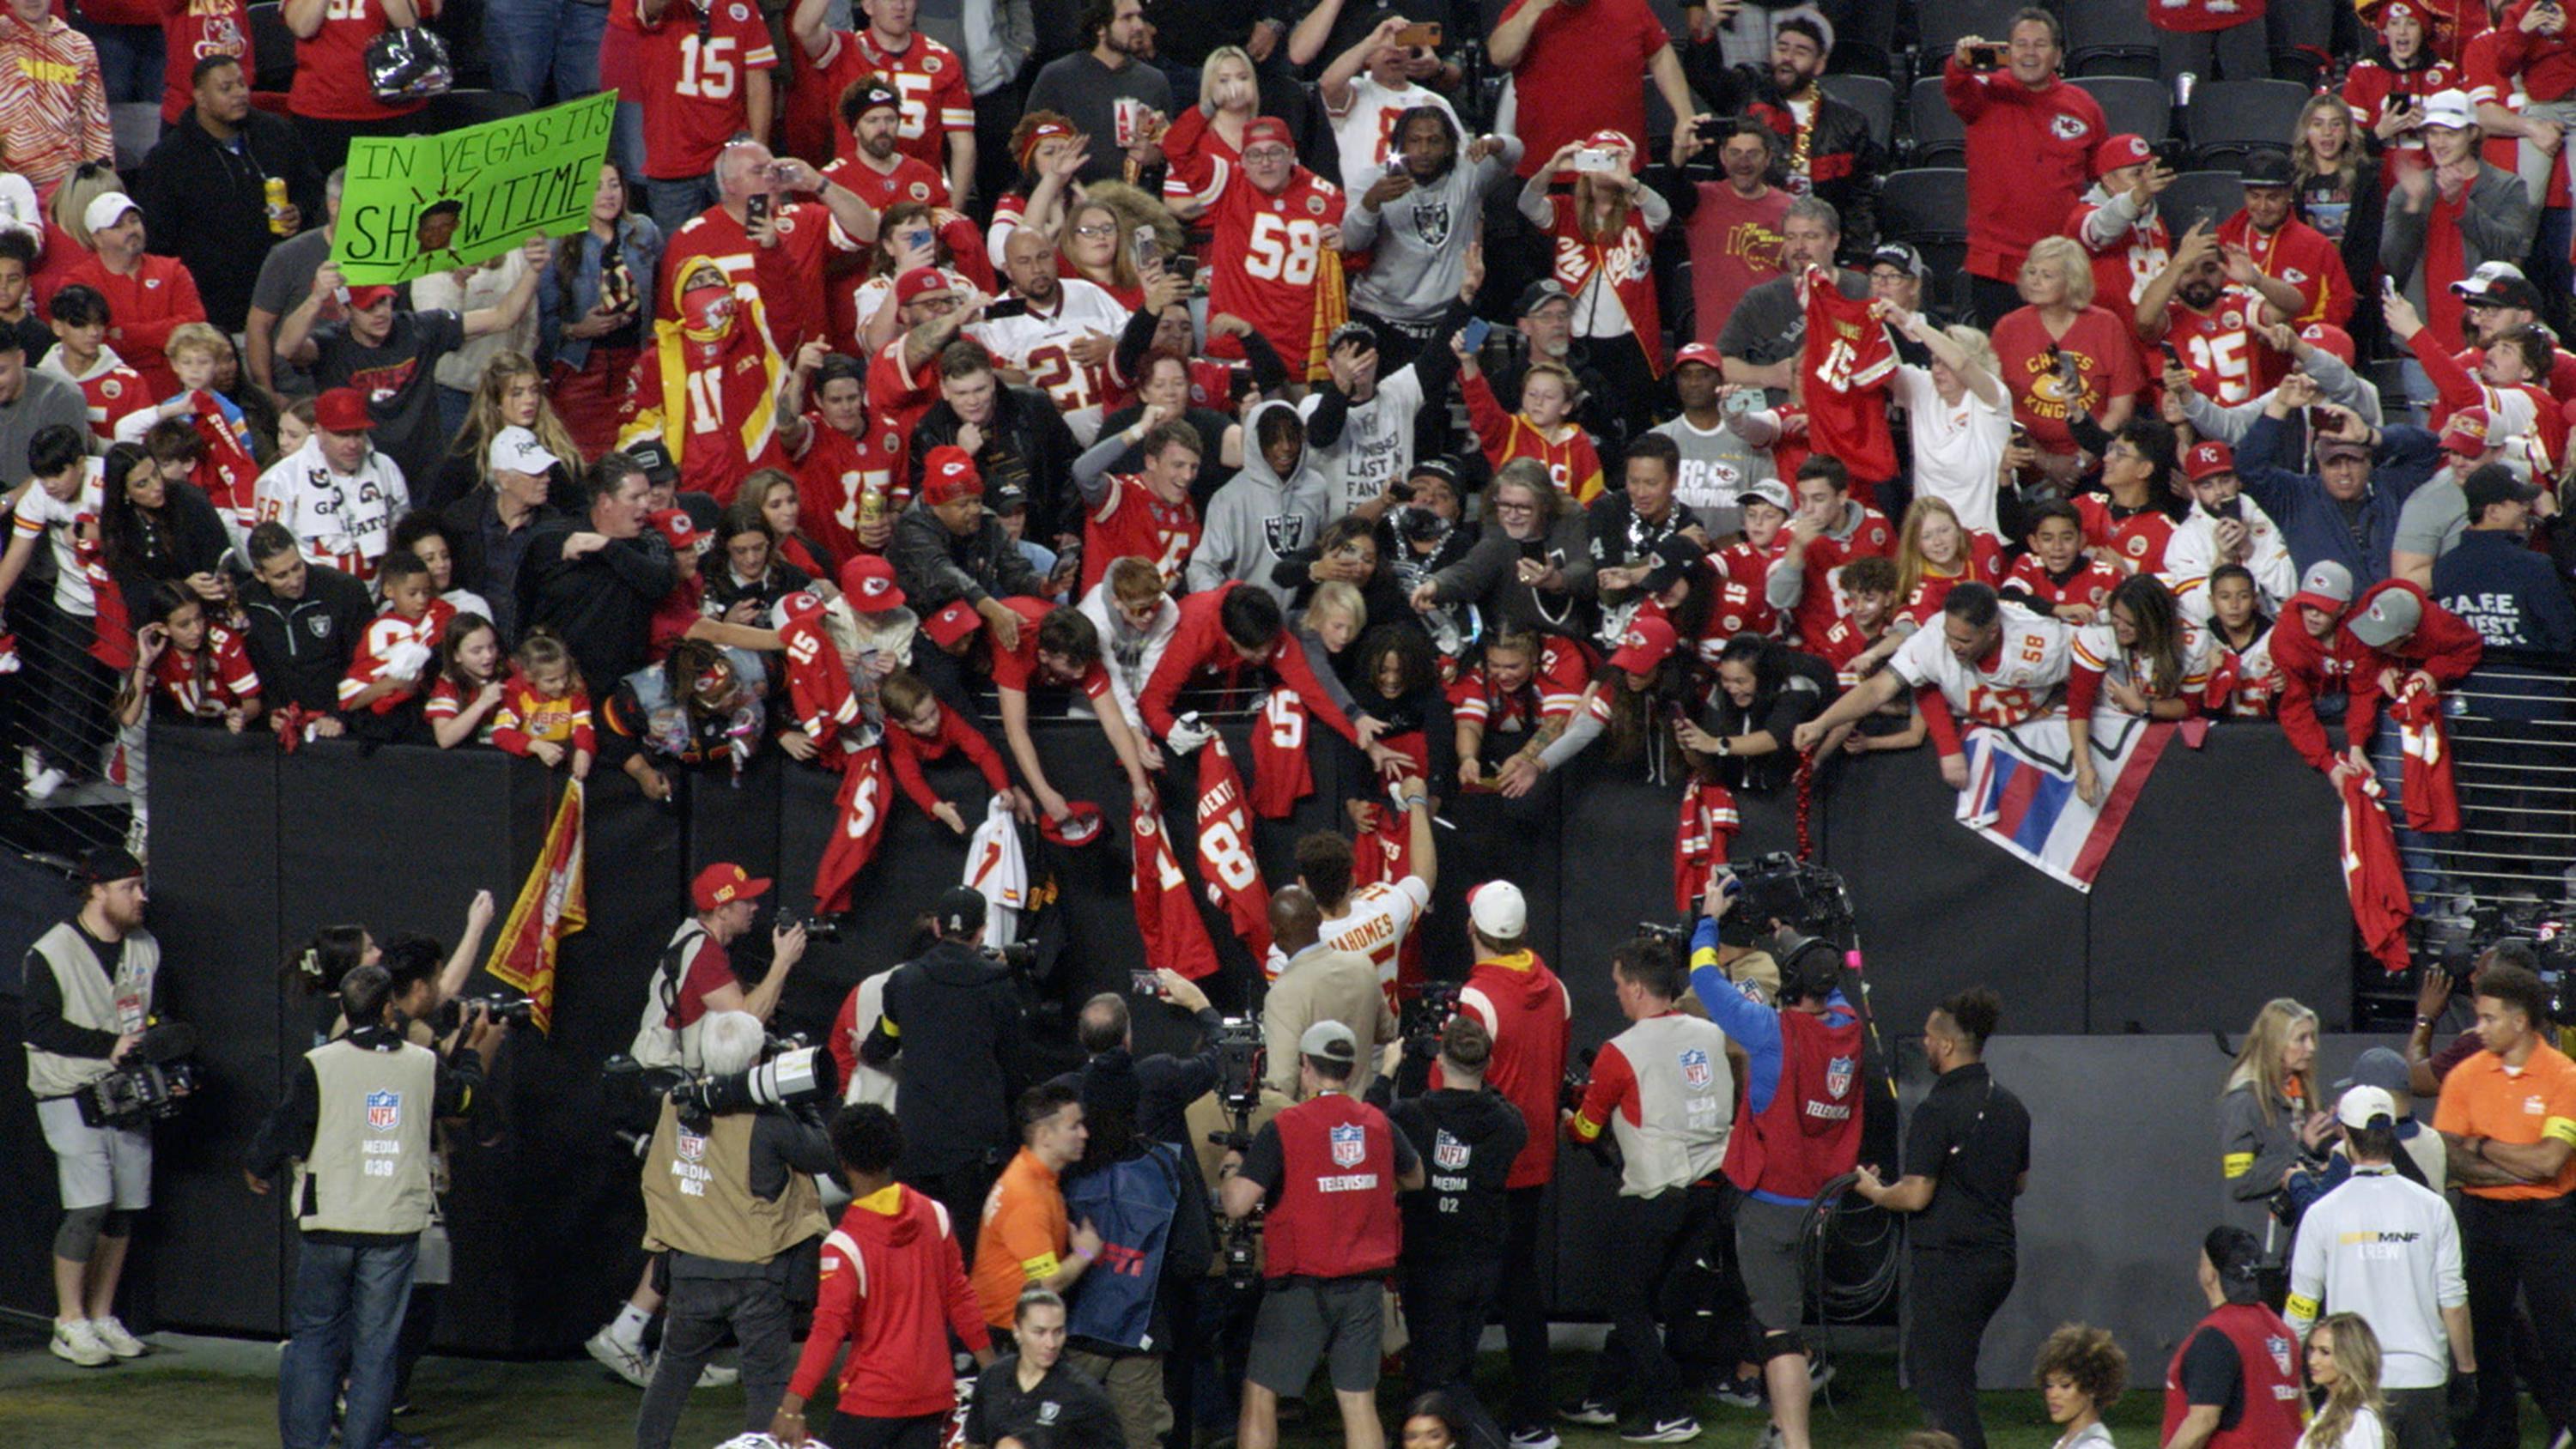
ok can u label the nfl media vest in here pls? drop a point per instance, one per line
(1336, 1216)
(2275, 1413)
(1684, 1086)
(698, 1197)
(369, 1172)
(110, 997)
(1809, 1132)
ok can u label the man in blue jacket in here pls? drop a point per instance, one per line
(2493, 580)
(2346, 511)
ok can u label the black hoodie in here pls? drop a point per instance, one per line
(954, 1016)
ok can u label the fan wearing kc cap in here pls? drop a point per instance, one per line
(948, 549)
(695, 975)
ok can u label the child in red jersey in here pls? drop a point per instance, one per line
(465, 703)
(545, 708)
(922, 729)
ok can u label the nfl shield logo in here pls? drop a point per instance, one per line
(1448, 1153)
(1695, 1070)
(1838, 1075)
(1350, 1144)
(384, 1110)
(2280, 1350)
(693, 1147)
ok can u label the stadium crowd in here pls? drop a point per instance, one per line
(1389, 368)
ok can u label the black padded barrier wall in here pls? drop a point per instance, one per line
(2223, 893)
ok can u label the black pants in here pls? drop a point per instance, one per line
(961, 1190)
(2418, 1418)
(1948, 1304)
(1445, 1304)
(2527, 1247)
(1662, 1236)
(920, 1431)
(1525, 1308)
(694, 1322)
(1991, 299)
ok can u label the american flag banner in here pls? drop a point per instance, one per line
(550, 907)
(2021, 790)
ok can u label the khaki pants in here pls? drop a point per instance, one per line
(1135, 1385)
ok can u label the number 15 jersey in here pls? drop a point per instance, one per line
(694, 66)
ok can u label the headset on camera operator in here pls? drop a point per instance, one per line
(730, 1196)
(87, 1009)
(695, 977)
(357, 1121)
(1797, 1128)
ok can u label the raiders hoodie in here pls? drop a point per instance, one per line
(1259, 516)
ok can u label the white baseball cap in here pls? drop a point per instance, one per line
(518, 450)
(2359, 1106)
(107, 209)
(2448, 109)
(1498, 910)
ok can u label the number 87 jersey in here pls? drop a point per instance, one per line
(1267, 253)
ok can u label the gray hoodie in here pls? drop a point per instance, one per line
(1258, 517)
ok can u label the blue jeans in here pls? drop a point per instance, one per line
(129, 61)
(675, 203)
(346, 1318)
(528, 40)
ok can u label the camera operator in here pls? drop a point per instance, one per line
(695, 976)
(729, 1197)
(1664, 1091)
(952, 1014)
(2236, 1379)
(1319, 983)
(1468, 1136)
(1797, 1127)
(1967, 1156)
(1531, 1017)
(88, 997)
(1327, 1171)
(358, 1118)
(1165, 1085)
(2389, 1250)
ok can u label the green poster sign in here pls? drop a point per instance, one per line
(426, 204)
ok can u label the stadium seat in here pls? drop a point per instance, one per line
(1870, 95)
(2132, 106)
(2302, 33)
(469, 108)
(2110, 40)
(1936, 136)
(2226, 119)
(1926, 205)
(272, 48)
(1864, 39)
(2218, 192)
(1940, 23)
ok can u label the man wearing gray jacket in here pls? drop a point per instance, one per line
(1273, 507)
(2485, 203)
(1419, 223)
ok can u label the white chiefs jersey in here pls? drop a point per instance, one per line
(1375, 924)
(2192, 551)
(1041, 347)
(2009, 686)
(345, 520)
(2096, 647)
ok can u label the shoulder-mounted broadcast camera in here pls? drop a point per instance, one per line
(148, 1084)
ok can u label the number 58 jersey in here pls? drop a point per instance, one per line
(1267, 253)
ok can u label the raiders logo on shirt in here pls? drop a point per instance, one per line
(1285, 532)
(1431, 221)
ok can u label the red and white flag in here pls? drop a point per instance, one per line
(2021, 789)
(552, 905)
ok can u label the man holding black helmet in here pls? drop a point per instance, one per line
(356, 1121)
(88, 996)
(1797, 1127)
(953, 1014)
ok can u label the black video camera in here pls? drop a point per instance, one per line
(518, 1011)
(1241, 1057)
(149, 1083)
(1018, 956)
(1427, 1015)
(1805, 897)
(817, 928)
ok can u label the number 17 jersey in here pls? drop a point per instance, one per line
(1267, 254)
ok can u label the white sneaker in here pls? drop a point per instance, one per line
(626, 1362)
(111, 1332)
(45, 782)
(78, 1342)
(717, 1376)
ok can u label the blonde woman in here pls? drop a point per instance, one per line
(1958, 414)
(1210, 133)
(2060, 355)
(2343, 1360)
(66, 214)
(2269, 1118)
(511, 393)
(2336, 187)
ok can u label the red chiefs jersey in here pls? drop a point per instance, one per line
(1226, 864)
(1017, 668)
(2089, 584)
(1840, 644)
(695, 66)
(2138, 538)
(1282, 774)
(1566, 451)
(718, 445)
(910, 180)
(113, 392)
(2227, 362)
(1167, 914)
(860, 815)
(1701, 837)
(2300, 255)
(1848, 361)
(386, 634)
(2243, 683)
(2190, 17)
(191, 31)
(1621, 263)
(1556, 684)
(205, 684)
(1985, 566)
(331, 67)
(1267, 253)
(926, 74)
(835, 478)
(896, 401)
(2123, 268)
(1131, 521)
(2369, 86)
(1742, 563)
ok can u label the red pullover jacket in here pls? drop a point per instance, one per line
(893, 1285)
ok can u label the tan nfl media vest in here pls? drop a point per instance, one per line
(698, 1197)
(369, 1172)
(93, 1000)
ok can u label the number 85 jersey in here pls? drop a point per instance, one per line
(1267, 253)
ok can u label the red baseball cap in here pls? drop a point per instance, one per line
(948, 475)
(2390, 13)
(1700, 352)
(920, 281)
(2207, 459)
(867, 581)
(361, 298)
(724, 883)
(2330, 339)
(1611, 139)
(675, 526)
(1649, 638)
(1266, 128)
(2466, 432)
(953, 623)
(2119, 151)
(1082, 824)
(342, 410)
(802, 604)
